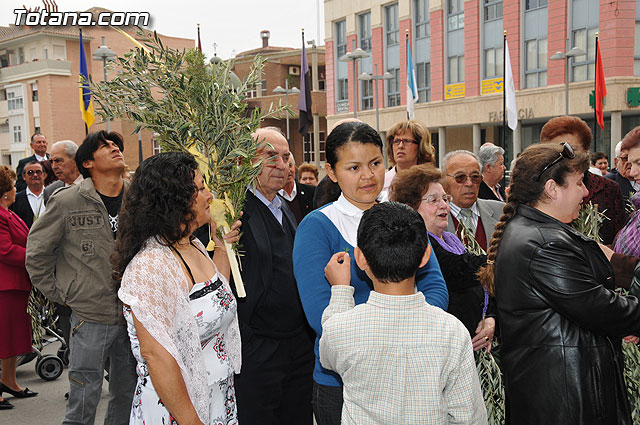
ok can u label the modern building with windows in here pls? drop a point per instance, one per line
(39, 69)
(457, 52)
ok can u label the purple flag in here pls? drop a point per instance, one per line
(305, 119)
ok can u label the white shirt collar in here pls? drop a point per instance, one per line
(347, 208)
(76, 181)
(40, 158)
(455, 210)
(275, 203)
(288, 197)
(29, 192)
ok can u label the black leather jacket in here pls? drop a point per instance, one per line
(561, 325)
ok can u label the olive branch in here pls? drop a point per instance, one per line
(195, 108)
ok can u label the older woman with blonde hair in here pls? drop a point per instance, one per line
(408, 144)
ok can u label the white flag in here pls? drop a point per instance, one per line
(412, 88)
(512, 108)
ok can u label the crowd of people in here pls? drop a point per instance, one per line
(367, 291)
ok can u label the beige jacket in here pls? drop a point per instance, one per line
(68, 254)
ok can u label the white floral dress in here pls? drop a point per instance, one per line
(214, 308)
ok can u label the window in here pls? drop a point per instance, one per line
(34, 92)
(636, 45)
(20, 55)
(366, 88)
(264, 88)
(342, 85)
(17, 134)
(456, 69)
(535, 44)
(422, 19)
(493, 62)
(364, 31)
(534, 4)
(585, 18)
(455, 15)
(423, 81)
(14, 102)
(492, 9)
(156, 146)
(535, 62)
(308, 147)
(392, 28)
(393, 88)
(584, 67)
(341, 38)
(422, 51)
(455, 41)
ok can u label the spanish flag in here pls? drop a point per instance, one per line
(86, 104)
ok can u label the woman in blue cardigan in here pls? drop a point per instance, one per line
(354, 161)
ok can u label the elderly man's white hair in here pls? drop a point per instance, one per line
(618, 149)
(70, 147)
(450, 155)
(489, 155)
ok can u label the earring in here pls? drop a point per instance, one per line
(5, 197)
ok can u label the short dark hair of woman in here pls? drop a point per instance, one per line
(92, 143)
(7, 177)
(596, 156)
(158, 203)
(566, 124)
(409, 186)
(421, 134)
(50, 175)
(352, 131)
(527, 187)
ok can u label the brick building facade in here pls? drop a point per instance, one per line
(457, 53)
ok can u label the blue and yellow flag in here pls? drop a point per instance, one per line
(86, 104)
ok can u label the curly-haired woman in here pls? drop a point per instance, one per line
(561, 322)
(180, 311)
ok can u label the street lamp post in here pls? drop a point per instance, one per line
(104, 54)
(375, 77)
(576, 51)
(354, 57)
(286, 91)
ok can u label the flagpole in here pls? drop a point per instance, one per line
(504, 90)
(595, 100)
(407, 70)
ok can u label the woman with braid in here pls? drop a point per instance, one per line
(562, 324)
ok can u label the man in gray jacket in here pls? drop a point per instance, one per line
(68, 259)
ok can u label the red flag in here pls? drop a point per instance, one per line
(601, 88)
(199, 45)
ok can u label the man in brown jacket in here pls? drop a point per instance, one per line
(68, 259)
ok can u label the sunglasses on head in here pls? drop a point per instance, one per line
(567, 152)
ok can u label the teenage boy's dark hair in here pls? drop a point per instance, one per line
(92, 143)
(393, 239)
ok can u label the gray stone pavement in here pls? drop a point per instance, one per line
(48, 407)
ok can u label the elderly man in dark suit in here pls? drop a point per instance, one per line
(29, 204)
(39, 147)
(621, 173)
(462, 169)
(275, 384)
(299, 196)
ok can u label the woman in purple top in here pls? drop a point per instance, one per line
(420, 188)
